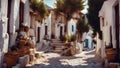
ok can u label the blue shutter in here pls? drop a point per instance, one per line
(72, 28)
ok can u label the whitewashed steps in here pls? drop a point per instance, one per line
(57, 46)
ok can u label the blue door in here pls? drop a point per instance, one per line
(86, 43)
(72, 28)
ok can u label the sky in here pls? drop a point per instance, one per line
(51, 3)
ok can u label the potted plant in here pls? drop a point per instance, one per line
(111, 53)
(63, 38)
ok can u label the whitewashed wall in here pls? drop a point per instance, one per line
(26, 12)
(48, 23)
(108, 13)
(3, 26)
(70, 23)
(14, 20)
(57, 29)
(3, 29)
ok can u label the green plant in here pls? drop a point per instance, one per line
(40, 7)
(73, 37)
(69, 7)
(68, 38)
(63, 38)
(93, 12)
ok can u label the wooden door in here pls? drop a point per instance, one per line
(111, 36)
(8, 15)
(61, 31)
(38, 35)
(21, 12)
(117, 28)
(46, 30)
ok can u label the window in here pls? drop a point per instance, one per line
(21, 12)
(72, 28)
(102, 21)
(38, 33)
(46, 28)
(8, 15)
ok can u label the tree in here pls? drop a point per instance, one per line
(93, 12)
(82, 27)
(68, 8)
(39, 7)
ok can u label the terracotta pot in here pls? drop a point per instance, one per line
(111, 54)
(21, 52)
(67, 44)
(22, 42)
(26, 29)
(114, 65)
(11, 59)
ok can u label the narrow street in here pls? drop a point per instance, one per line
(86, 59)
(59, 33)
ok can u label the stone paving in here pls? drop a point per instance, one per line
(86, 59)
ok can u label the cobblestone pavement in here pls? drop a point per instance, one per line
(86, 59)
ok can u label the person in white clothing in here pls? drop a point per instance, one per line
(80, 46)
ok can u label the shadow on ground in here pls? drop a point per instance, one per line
(87, 60)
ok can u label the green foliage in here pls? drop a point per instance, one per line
(68, 38)
(40, 7)
(71, 38)
(63, 38)
(82, 26)
(93, 12)
(68, 7)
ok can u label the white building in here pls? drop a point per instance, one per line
(12, 14)
(3, 25)
(19, 13)
(109, 24)
(72, 27)
(3, 29)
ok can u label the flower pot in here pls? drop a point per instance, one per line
(111, 54)
(11, 59)
(22, 42)
(114, 65)
(22, 51)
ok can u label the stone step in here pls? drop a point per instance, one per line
(56, 41)
(56, 51)
(57, 44)
(59, 48)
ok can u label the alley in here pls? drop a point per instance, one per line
(59, 33)
(86, 59)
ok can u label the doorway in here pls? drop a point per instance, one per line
(111, 44)
(38, 35)
(117, 28)
(61, 31)
(46, 28)
(21, 13)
